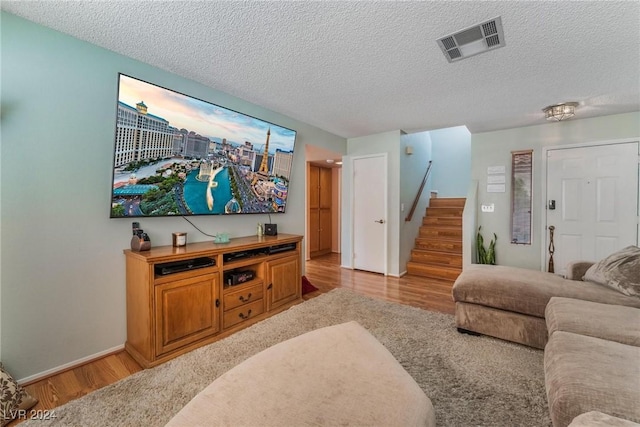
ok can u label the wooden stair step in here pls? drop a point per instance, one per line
(457, 212)
(443, 202)
(446, 232)
(440, 245)
(437, 253)
(446, 259)
(442, 220)
(431, 270)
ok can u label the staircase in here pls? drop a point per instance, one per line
(438, 250)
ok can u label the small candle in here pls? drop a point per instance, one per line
(179, 239)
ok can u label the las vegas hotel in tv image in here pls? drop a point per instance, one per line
(177, 155)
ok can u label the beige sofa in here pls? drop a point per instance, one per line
(592, 363)
(509, 302)
(587, 323)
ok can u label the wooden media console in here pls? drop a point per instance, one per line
(181, 298)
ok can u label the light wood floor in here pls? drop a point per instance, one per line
(323, 272)
(430, 294)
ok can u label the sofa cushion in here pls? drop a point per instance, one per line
(527, 291)
(584, 374)
(619, 271)
(606, 321)
(576, 269)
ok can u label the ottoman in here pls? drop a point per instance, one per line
(338, 375)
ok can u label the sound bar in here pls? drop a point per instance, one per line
(183, 265)
(233, 256)
(281, 248)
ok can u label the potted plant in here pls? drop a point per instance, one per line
(486, 255)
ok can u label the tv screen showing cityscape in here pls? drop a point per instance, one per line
(178, 155)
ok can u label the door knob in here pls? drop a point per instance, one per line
(380, 221)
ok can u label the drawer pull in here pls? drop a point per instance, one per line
(243, 316)
(243, 299)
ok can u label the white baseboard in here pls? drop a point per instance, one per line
(70, 365)
(398, 275)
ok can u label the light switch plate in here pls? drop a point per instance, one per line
(488, 208)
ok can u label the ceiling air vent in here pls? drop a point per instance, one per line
(473, 40)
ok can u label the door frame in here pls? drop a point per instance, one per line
(543, 190)
(385, 156)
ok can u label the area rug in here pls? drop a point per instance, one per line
(471, 380)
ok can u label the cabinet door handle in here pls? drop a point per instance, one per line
(243, 299)
(245, 316)
(270, 286)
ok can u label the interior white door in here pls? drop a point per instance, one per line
(370, 213)
(592, 201)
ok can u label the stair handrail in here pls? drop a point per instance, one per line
(415, 201)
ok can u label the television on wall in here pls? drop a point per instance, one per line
(178, 155)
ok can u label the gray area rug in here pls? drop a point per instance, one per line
(472, 381)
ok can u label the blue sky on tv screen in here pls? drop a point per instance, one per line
(204, 118)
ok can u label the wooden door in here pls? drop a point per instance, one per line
(320, 211)
(284, 283)
(592, 199)
(314, 210)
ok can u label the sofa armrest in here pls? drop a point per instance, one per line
(576, 269)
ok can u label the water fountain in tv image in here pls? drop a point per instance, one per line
(230, 186)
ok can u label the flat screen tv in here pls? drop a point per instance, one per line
(178, 155)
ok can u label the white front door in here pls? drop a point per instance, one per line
(592, 201)
(370, 213)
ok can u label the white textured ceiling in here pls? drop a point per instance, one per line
(360, 68)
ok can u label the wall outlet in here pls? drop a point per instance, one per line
(488, 208)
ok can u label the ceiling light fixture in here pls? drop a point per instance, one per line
(560, 112)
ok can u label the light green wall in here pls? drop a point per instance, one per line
(451, 151)
(494, 149)
(62, 272)
(412, 170)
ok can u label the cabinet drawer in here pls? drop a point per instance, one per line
(242, 313)
(241, 297)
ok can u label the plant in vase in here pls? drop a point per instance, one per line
(486, 255)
